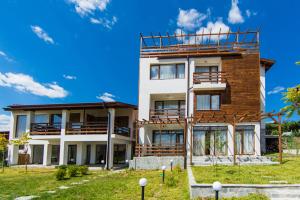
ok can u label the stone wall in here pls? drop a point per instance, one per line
(155, 162)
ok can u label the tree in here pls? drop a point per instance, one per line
(23, 140)
(3, 147)
(292, 98)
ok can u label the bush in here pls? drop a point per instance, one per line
(84, 170)
(177, 168)
(73, 170)
(172, 180)
(62, 167)
(61, 174)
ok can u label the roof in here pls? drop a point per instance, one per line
(267, 63)
(69, 106)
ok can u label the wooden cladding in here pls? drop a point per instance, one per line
(242, 94)
(155, 150)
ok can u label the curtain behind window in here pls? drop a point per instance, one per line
(215, 102)
(248, 142)
(167, 71)
(180, 71)
(154, 72)
(203, 102)
(21, 125)
(199, 143)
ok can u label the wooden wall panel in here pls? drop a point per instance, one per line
(242, 94)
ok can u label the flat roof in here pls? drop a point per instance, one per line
(69, 106)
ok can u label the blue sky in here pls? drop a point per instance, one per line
(59, 51)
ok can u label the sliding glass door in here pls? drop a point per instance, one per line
(209, 140)
(244, 140)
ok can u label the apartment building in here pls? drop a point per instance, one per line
(201, 96)
(97, 134)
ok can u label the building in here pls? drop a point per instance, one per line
(200, 95)
(82, 133)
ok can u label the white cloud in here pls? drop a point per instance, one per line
(106, 97)
(4, 122)
(69, 77)
(190, 19)
(42, 34)
(104, 21)
(249, 13)
(214, 27)
(276, 90)
(87, 7)
(3, 55)
(234, 15)
(26, 83)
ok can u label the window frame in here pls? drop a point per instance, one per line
(17, 123)
(210, 102)
(176, 71)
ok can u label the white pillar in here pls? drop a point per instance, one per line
(79, 156)
(29, 120)
(46, 155)
(128, 151)
(257, 140)
(189, 143)
(62, 153)
(110, 131)
(93, 153)
(13, 153)
(230, 151)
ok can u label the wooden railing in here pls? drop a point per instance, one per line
(123, 131)
(159, 150)
(45, 128)
(209, 77)
(74, 128)
(166, 113)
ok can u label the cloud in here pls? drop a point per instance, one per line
(104, 21)
(276, 90)
(214, 27)
(87, 7)
(69, 77)
(4, 122)
(249, 13)
(190, 19)
(3, 55)
(106, 97)
(42, 34)
(234, 15)
(25, 83)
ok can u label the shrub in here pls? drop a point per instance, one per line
(73, 170)
(61, 174)
(177, 168)
(84, 170)
(172, 180)
(62, 167)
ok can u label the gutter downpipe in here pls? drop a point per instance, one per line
(188, 109)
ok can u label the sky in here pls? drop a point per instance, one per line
(64, 51)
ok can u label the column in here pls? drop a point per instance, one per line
(13, 153)
(257, 139)
(230, 141)
(110, 130)
(79, 155)
(128, 151)
(46, 155)
(93, 154)
(63, 153)
(30, 118)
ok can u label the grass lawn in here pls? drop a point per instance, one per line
(100, 185)
(289, 171)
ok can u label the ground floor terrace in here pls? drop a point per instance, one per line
(59, 152)
(199, 140)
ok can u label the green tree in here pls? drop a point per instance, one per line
(292, 99)
(3, 147)
(23, 140)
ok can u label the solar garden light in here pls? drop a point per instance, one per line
(171, 163)
(163, 176)
(143, 183)
(217, 186)
(102, 161)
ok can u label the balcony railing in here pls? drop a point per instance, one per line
(166, 113)
(209, 77)
(159, 150)
(74, 128)
(45, 128)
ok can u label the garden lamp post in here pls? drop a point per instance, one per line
(217, 186)
(163, 176)
(171, 163)
(143, 183)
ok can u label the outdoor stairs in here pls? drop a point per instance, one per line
(228, 160)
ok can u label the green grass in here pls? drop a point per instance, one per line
(101, 185)
(248, 197)
(289, 171)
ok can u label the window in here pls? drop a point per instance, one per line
(170, 107)
(41, 118)
(21, 125)
(207, 73)
(244, 140)
(167, 71)
(55, 118)
(167, 137)
(208, 102)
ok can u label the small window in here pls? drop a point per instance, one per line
(208, 102)
(21, 125)
(167, 71)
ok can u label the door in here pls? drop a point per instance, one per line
(101, 154)
(55, 154)
(37, 154)
(244, 140)
(119, 153)
(72, 152)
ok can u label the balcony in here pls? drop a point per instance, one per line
(209, 81)
(159, 150)
(167, 113)
(45, 129)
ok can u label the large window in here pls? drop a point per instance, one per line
(244, 140)
(167, 71)
(170, 107)
(41, 118)
(167, 137)
(21, 125)
(208, 102)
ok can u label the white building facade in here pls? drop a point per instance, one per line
(96, 134)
